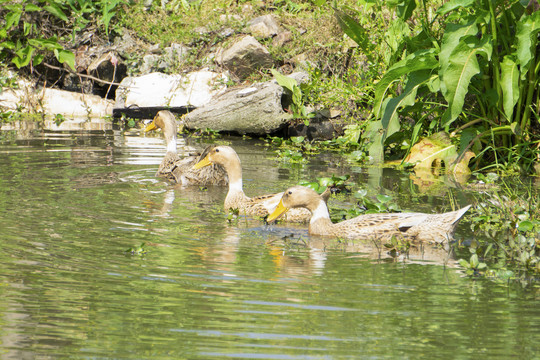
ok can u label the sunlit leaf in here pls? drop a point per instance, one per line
(56, 11)
(452, 5)
(525, 226)
(527, 38)
(65, 56)
(353, 29)
(420, 60)
(463, 65)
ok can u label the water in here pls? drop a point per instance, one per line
(71, 204)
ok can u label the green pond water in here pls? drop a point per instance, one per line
(72, 203)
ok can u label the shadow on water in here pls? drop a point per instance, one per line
(72, 203)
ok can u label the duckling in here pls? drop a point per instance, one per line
(236, 199)
(411, 226)
(180, 170)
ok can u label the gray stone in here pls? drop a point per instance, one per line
(255, 110)
(264, 26)
(282, 38)
(244, 57)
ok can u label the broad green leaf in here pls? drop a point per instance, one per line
(24, 56)
(525, 225)
(451, 39)
(527, 38)
(56, 11)
(397, 31)
(454, 4)
(420, 60)
(353, 29)
(509, 85)
(284, 81)
(390, 119)
(65, 56)
(463, 65)
(405, 9)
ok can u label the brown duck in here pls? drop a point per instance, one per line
(411, 226)
(180, 169)
(236, 199)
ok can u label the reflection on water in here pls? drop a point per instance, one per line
(73, 203)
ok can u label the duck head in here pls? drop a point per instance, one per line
(295, 197)
(220, 155)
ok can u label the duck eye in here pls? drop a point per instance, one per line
(217, 150)
(290, 192)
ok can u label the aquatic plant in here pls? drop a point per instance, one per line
(468, 67)
(506, 222)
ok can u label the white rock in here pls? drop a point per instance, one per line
(157, 89)
(51, 102)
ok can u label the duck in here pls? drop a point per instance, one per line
(415, 227)
(236, 199)
(180, 169)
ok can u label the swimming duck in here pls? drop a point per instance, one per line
(180, 170)
(236, 199)
(410, 226)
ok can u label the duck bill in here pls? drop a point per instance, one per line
(280, 210)
(204, 162)
(150, 127)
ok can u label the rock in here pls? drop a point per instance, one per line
(151, 63)
(282, 38)
(255, 110)
(264, 26)
(157, 89)
(176, 52)
(172, 56)
(244, 57)
(54, 102)
(319, 128)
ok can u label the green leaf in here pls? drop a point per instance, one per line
(464, 263)
(12, 19)
(405, 9)
(65, 56)
(32, 7)
(353, 29)
(474, 261)
(390, 119)
(454, 4)
(383, 198)
(55, 10)
(527, 38)
(509, 85)
(284, 81)
(451, 39)
(24, 56)
(463, 65)
(420, 60)
(7, 45)
(525, 225)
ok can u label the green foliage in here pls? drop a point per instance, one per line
(24, 36)
(335, 182)
(507, 224)
(139, 250)
(297, 107)
(477, 59)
